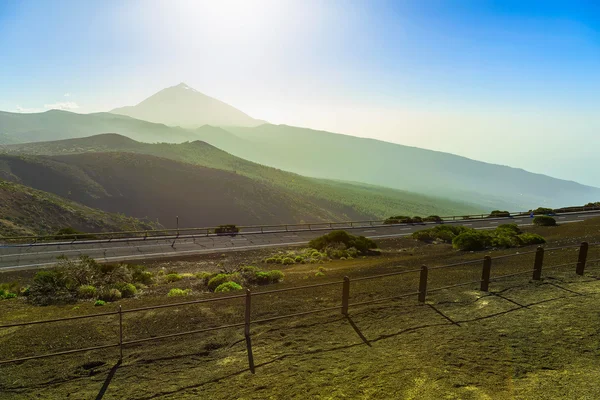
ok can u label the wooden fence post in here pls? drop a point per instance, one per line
(582, 258)
(539, 262)
(345, 295)
(247, 331)
(120, 334)
(423, 284)
(485, 273)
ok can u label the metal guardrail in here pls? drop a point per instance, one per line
(255, 229)
(421, 293)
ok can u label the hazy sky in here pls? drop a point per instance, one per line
(509, 82)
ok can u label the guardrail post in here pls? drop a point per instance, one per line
(423, 284)
(345, 295)
(247, 331)
(539, 262)
(485, 273)
(582, 258)
(120, 334)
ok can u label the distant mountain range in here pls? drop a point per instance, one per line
(307, 152)
(184, 106)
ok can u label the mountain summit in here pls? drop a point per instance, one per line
(184, 106)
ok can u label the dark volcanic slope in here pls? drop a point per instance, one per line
(160, 189)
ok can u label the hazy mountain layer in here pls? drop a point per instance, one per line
(184, 106)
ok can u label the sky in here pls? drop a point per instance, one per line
(510, 82)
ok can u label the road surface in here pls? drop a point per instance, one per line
(45, 254)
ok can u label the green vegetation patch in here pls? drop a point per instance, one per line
(544, 220)
(468, 239)
(337, 239)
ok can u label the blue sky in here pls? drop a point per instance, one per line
(491, 80)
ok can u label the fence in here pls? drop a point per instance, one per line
(254, 229)
(344, 305)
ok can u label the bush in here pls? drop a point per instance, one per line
(204, 277)
(275, 276)
(287, 261)
(399, 219)
(299, 259)
(86, 292)
(139, 274)
(272, 260)
(543, 211)
(128, 290)
(444, 233)
(99, 303)
(178, 292)
(543, 220)
(110, 295)
(217, 280)
(471, 241)
(173, 278)
(530, 238)
(499, 214)
(511, 228)
(52, 287)
(228, 287)
(319, 273)
(433, 218)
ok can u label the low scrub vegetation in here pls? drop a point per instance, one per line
(467, 239)
(175, 292)
(343, 240)
(227, 230)
(544, 220)
(86, 279)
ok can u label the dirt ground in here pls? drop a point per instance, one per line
(522, 340)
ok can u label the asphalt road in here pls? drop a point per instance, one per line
(45, 254)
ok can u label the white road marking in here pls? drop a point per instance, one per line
(494, 223)
(562, 217)
(369, 231)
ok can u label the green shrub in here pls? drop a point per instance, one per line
(504, 241)
(544, 220)
(444, 233)
(272, 260)
(336, 238)
(128, 290)
(275, 276)
(52, 287)
(433, 218)
(173, 278)
(178, 292)
(110, 295)
(204, 277)
(99, 303)
(543, 211)
(228, 287)
(86, 292)
(287, 261)
(471, 241)
(417, 220)
(217, 280)
(499, 214)
(512, 228)
(299, 259)
(139, 274)
(227, 229)
(319, 273)
(526, 239)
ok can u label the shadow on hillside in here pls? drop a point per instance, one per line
(108, 380)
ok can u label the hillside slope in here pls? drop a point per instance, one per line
(25, 211)
(372, 201)
(335, 156)
(161, 189)
(184, 106)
